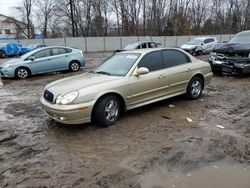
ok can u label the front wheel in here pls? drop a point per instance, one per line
(107, 111)
(22, 73)
(195, 88)
(74, 66)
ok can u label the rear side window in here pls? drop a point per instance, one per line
(58, 51)
(174, 58)
(153, 61)
(151, 45)
(208, 40)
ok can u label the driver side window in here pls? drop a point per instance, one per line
(153, 61)
(42, 53)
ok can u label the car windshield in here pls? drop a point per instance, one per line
(195, 41)
(117, 65)
(131, 46)
(241, 38)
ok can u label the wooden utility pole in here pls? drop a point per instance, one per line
(72, 17)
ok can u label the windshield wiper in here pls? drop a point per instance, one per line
(103, 72)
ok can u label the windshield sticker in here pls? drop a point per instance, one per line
(131, 56)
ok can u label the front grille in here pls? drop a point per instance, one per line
(48, 96)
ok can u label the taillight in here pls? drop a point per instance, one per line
(81, 52)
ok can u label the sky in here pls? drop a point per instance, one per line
(5, 7)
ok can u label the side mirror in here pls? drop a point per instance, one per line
(32, 58)
(142, 70)
(202, 43)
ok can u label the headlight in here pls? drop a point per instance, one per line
(213, 53)
(58, 99)
(7, 66)
(68, 98)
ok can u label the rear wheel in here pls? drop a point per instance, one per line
(195, 87)
(3, 54)
(74, 66)
(107, 111)
(22, 73)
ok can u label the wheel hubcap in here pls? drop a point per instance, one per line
(196, 88)
(22, 73)
(111, 110)
(74, 66)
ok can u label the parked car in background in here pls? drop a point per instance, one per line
(232, 57)
(200, 45)
(12, 49)
(140, 45)
(43, 60)
(36, 46)
(125, 81)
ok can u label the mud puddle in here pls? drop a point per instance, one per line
(37, 152)
(213, 176)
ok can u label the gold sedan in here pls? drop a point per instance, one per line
(125, 81)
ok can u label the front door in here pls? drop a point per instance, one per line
(40, 62)
(149, 86)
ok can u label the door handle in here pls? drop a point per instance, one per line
(162, 76)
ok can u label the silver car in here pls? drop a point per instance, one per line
(125, 81)
(200, 45)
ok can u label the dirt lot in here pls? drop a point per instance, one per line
(150, 147)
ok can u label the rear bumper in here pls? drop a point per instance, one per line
(208, 77)
(68, 114)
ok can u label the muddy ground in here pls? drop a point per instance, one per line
(150, 147)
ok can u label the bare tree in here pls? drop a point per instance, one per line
(25, 9)
(45, 11)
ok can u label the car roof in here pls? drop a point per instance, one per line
(203, 38)
(48, 47)
(146, 50)
(143, 42)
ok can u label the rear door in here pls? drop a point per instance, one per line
(151, 85)
(177, 70)
(60, 58)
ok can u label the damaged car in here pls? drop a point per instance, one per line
(232, 57)
(200, 45)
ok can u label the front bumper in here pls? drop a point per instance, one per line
(69, 114)
(7, 73)
(229, 67)
(190, 51)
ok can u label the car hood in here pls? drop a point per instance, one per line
(63, 86)
(188, 46)
(16, 61)
(232, 48)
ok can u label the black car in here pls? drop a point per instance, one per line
(232, 57)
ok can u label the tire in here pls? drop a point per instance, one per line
(3, 54)
(22, 73)
(195, 87)
(106, 111)
(74, 66)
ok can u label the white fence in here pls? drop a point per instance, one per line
(96, 44)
